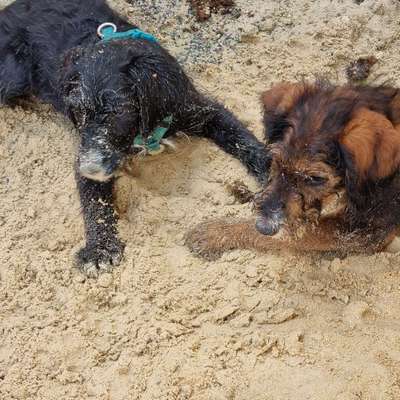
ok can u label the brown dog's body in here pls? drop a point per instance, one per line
(335, 174)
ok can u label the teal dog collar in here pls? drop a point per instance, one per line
(152, 144)
(108, 31)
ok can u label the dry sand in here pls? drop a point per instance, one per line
(166, 325)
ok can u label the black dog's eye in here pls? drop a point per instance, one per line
(314, 180)
(119, 111)
(77, 114)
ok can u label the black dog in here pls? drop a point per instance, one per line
(113, 91)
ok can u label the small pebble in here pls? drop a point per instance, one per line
(267, 26)
(105, 280)
(30, 212)
(225, 312)
(360, 69)
(356, 312)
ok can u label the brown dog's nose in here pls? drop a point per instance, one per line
(268, 226)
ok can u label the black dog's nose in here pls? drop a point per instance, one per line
(268, 226)
(91, 169)
(94, 165)
(95, 172)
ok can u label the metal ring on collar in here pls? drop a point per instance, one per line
(105, 25)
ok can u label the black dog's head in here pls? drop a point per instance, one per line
(116, 90)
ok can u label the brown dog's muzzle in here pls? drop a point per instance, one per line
(270, 225)
(271, 215)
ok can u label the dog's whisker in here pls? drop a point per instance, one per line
(184, 135)
(169, 143)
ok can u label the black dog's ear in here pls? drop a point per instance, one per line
(131, 60)
(142, 92)
(156, 86)
(277, 103)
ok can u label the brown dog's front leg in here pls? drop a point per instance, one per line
(211, 239)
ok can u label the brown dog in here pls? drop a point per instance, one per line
(334, 182)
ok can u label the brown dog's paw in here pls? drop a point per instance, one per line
(202, 241)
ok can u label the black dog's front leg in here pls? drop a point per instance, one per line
(225, 130)
(103, 249)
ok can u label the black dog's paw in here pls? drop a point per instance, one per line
(200, 240)
(96, 259)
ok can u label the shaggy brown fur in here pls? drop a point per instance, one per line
(334, 181)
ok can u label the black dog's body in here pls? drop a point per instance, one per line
(112, 91)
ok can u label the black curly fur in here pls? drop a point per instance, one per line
(111, 91)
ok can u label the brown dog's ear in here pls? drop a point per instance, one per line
(373, 143)
(281, 97)
(277, 102)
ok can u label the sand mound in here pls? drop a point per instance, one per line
(167, 325)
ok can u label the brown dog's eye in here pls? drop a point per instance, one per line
(314, 180)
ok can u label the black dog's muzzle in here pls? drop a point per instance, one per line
(95, 166)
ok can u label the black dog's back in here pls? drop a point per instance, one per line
(72, 19)
(39, 39)
(33, 35)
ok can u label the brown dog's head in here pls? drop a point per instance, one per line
(328, 143)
